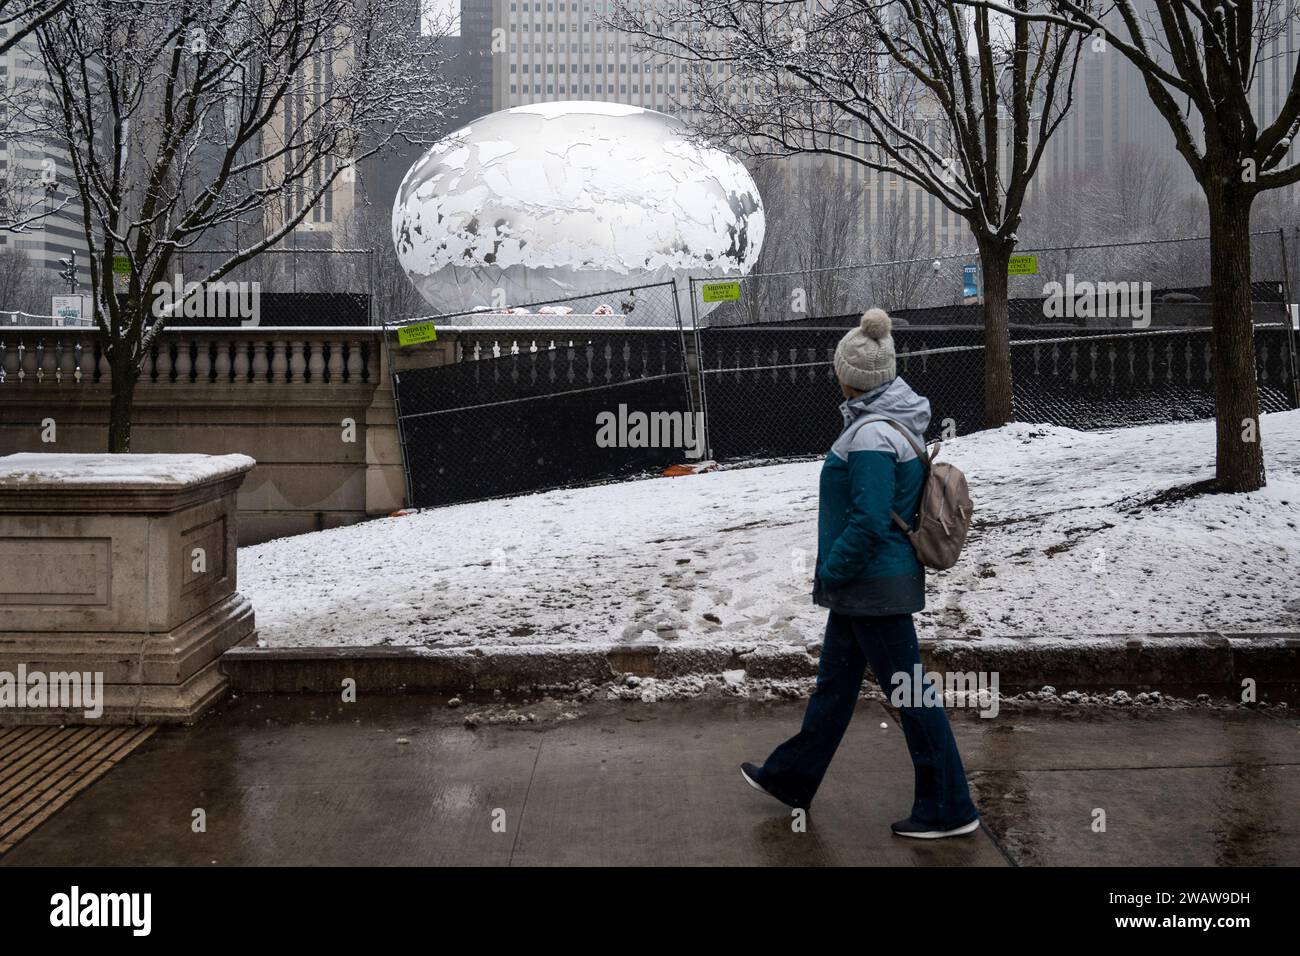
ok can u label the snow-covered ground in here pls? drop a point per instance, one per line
(1063, 544)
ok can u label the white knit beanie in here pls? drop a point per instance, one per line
(864, 359)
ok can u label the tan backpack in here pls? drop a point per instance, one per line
(944, 515)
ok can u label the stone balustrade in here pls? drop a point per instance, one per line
(313, 406)
(32, 355)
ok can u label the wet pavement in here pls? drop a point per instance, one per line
(401, 780)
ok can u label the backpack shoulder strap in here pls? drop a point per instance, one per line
(907, 436)
(903, 526)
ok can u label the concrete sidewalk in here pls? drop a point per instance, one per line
(401, 780)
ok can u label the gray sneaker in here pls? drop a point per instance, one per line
(923, 831)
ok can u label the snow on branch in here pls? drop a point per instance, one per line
(924, 90)
(1209, 54)
(18, 18)
(180, 121)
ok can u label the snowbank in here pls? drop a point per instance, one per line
(1063, 543)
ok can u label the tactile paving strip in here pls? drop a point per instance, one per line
(42, 768)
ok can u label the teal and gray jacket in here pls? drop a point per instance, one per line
(865, 563)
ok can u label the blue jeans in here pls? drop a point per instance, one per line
(795, 769)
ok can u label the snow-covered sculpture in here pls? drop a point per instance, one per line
(555, 200)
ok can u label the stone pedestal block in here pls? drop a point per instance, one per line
(117, 572)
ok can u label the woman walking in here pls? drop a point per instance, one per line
(869, 579)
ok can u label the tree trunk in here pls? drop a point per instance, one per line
(995, 257)
(1239, 450)
(119, 415)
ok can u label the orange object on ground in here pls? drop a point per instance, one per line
(699, 468)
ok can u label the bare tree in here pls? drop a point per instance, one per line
(394, 295)
(1277, 212)
(1137, 195)
(1209, 55)
(28, 195)
(828, 224)
(763, 297)
(185, 119)
(1144, 184)
(901, 249)
(957, 102)
(1088, 223)
(18, 284)
(18, 18)
(813, 232)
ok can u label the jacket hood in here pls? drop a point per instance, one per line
(895, 400)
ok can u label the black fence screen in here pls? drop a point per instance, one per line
(1138, 378)
(284, 310)
(278, 288)
(549, 394)
(1133, 349)
(771, 392)
(543, 404)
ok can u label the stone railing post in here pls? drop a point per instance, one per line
(118, 585)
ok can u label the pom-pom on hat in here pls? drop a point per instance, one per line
(864, 359)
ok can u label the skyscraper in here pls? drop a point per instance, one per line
(552, 50)
(37, 178)
(560, 50)
(475, 58)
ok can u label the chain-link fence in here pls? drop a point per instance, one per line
(612, 384)
(278, 287)
(1108, 380)
(546, 395)
(811, 296)
(28, 320)
(771, 392)
(946, 290)
(1101, 336)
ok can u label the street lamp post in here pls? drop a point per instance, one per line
(69, 271)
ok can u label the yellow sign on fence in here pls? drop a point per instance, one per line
(1023, 266)
(416, 334)
(721, 291)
